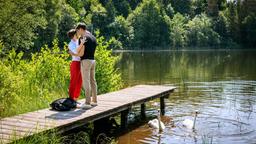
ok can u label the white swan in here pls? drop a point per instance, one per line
(189, 123)
(157, 123)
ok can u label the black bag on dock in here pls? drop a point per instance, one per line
(63, 104)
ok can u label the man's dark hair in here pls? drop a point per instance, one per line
(81, 25)
(71, 33)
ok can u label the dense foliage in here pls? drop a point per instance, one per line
(143, 24)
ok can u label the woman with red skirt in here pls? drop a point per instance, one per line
(75, 73)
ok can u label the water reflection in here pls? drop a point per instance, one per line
(220, 84)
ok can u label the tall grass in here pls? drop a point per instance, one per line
(50, 137)
(31, 84)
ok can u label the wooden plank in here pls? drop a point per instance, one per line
(22, 129)
(3, 141)
(131, 96)
(140, 91)
(13, 133)
(32, 118)
(149, 89)
(24, 119)
(5, 136)
(19, 119)
(122, 99)
(20, 125)
(23, 124)
(108, 103)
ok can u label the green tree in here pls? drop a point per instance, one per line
(121, 30)
(182, 6)
(169, 10)
(220, 25)
(69, 18)
(233, 24)
(246, 20)
(199, 6)
(78, 6)
(222, 4)
(165, 2)
(19, 20)
(178, 30)
(134, 3)
(53, 15)
(123, 7)
(249, 25)
(201, 33)
(99, 18)
(111, 11)
(150, 26)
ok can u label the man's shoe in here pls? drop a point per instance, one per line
(94, 104)
(84, 106)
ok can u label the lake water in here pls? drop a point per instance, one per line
(221, 85)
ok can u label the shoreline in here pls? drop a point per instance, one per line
(181, 50)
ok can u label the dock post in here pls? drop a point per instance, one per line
(162, 105)
(142, 111)
(124, 119)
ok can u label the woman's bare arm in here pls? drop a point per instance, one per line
(81, 52)
(80, 47)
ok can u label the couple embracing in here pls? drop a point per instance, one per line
(82, 68)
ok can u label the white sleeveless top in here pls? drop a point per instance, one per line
(73, 45)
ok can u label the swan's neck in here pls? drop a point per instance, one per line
(159, 122)
(194, 122)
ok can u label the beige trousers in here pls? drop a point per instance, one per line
(89, 81)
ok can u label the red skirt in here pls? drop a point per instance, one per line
(75, 80)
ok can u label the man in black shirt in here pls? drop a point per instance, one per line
(88, 65)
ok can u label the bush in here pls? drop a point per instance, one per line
(28, 85)
(108, 78)
(31, 84)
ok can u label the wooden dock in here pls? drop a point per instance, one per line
(24, 125)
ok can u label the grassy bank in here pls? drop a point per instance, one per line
(28, 84)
